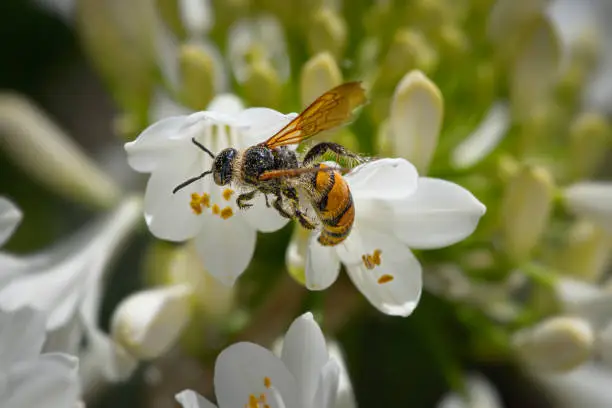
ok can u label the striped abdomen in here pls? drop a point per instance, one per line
(334, 204)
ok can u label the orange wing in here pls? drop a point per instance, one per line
(329, 110)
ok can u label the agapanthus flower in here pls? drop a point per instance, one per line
(247, 374)
(224, 236)
(395, 210)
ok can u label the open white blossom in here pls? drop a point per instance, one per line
(249, 375)
(30, 379)
(395, 210)
(223, 236)
(65, 284)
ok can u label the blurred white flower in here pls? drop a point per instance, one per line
(587, 386)
(249, 375)
(149, 322)
(65, 283)
(591, 200)
(224, 236)
(31, 379)
(394, 210)
(479, 393)
(10, 217)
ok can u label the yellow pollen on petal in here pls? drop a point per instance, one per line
(227, 194)
(196, 204)
(215, 209)
(226, 212)
(205, 200)
(372, 261)
(384, 279)
(267, 382)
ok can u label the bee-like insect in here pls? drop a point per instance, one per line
(271, 168)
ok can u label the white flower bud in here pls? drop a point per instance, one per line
(415, 119)
(527, 204)
(148, 323)
(557, 344)
(320, 74)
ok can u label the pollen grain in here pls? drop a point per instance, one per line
(267, 382)
(198, 202)
(384, 279)
(227, 194)
(226, 213)
(372, 261)
(215, 209)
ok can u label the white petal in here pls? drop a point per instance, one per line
(242, 370)
(304, 354)
(484, 139)
(383, 179)
(262, 218)
(327, 386)
(480, 393)
(169, 216)
(400, 296)
(322, 265)
(51, 381)
(261, 123)
(10, 217)
(105, 358)
(587, 386)
(440, 213)
(191, 399)
(149, 322)
(345, 398)
(228, 104)
(155, 143)
(226, 247)
(592, 201)
(22, 334)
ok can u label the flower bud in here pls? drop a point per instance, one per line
(590, 135)
(527, 204)
(509, 16)
(320, 74)
(415, 119)
(327, 32)
(535, 67)
(263, 86)
(558, 344)
(295, 257)
(591, 200)
(198, 76)
(148, 323)
(408, 51)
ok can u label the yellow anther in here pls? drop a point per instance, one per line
(384, 279)
(215, 209)
(227, 194)
(226, 212)
(372, 261)
(253, 402)
(205, 200)
(267, 382)
(195, 203)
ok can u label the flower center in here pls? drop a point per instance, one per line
(262, 400)
(199, 203)
(372, 261)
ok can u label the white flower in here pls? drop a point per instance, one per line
(394, 210)
(480, 393)
(249, 375)
(30, 379)
(591, 200)
(149, 322)
(224, 236)
(65, 283)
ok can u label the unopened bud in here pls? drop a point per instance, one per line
(327, 32)
(591, 200)
(527, 203)
(586, 253)
(263, 86)
(408, 51)
(535, 67)
(295, 257)
(509, 16)
(590, 135)
(415, 119)
(320, 74)
(198, 76)
(148, 323)
(558, 344)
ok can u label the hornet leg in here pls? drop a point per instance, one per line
(242, 199)
(317, 151)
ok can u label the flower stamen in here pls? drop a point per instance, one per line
(372, 261)
(226, 213)
(384, 279)
(199, 202)
(216, 209)
(262, 401)
(227, 194)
